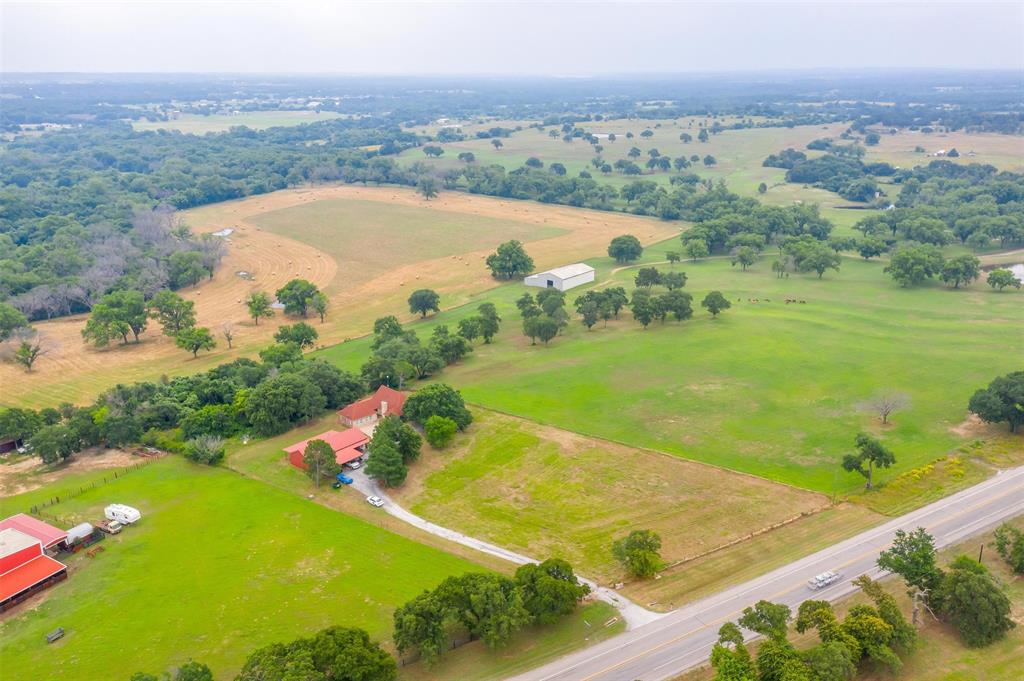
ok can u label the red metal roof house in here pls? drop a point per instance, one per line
(369, 409)
(348, 445)
(47, 535)
(24, 568)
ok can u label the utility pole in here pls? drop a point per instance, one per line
(981, 549)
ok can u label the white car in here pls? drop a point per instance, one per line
(375, 501)
(824, 579)
(353, 465)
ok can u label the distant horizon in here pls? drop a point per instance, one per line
(572, 39)
(831, 71)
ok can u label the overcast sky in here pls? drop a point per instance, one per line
(567, 38)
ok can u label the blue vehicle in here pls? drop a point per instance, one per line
(344, 479)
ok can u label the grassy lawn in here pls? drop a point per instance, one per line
(767, 388)
(751, 558)
(219, 565)
(547, 492)
(530, 648)
(257, 120)
(401, 234)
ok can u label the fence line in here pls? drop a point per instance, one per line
(114, 474)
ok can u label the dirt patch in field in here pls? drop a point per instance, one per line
(31, 473)
(75, 372)
(972, 427)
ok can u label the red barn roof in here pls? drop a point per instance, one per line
(28, 575)
(48, 535)
(344, 443)
(370, 405)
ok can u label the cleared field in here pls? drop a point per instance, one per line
(218, 566)
(257, 120)
(767, 388)
(74, 372)
(544, 492)
(401, 234)
(1005, 152)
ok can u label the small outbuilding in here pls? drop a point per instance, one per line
(562, 278)
(348, 445)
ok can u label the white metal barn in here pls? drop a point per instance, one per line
(562, 278)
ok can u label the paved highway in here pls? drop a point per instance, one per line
(683, 639)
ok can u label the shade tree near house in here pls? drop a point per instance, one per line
(439, 431)
(509, 260)
(437, 399)
(1002, 400)
(319, 461)
(424, 301)
(260, 306)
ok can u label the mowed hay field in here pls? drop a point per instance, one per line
(257, 120)
(766, 388)
(548, 492)
(448, 239)
(218, 566)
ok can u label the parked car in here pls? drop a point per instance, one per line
(344, 479)
(109, 526)
(353, 465)
(375, 501)
(126, 515)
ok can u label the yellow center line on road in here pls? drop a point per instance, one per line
(690, 632)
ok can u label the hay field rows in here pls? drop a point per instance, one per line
(455, 225)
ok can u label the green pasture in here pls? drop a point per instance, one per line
(257, 120)
(767, 388)
(219, 565)
(543, 492)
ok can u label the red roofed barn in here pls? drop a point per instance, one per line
(368, 410)
(348, 445)
(49, 536)
(24, 568)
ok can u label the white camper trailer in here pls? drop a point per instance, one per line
(126, 515)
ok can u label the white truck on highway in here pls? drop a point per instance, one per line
(824, 579)
(126, 515)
